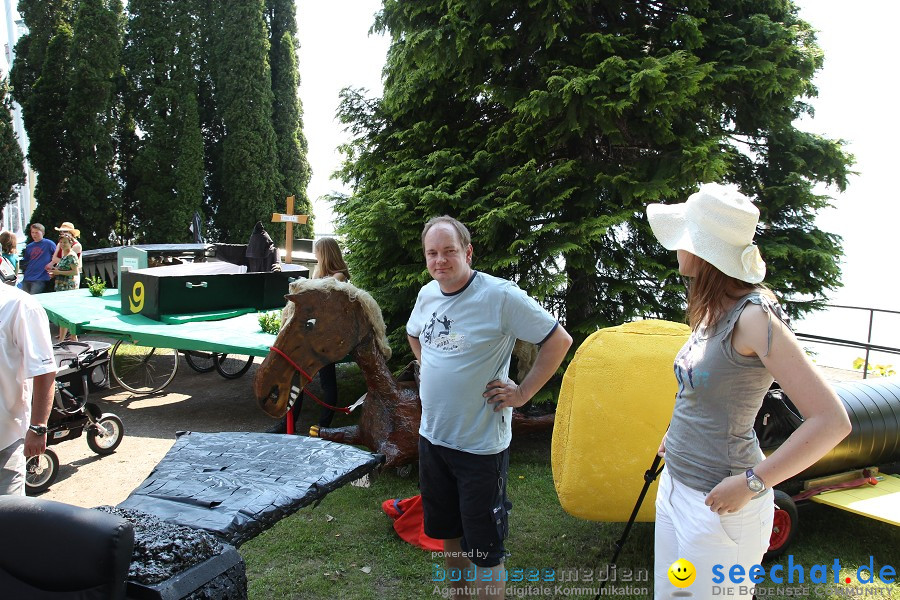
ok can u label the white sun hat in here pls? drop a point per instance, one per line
(717, 224)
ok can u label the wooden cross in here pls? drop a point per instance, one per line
(290, 218)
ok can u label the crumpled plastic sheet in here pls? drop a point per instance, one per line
(238, 484)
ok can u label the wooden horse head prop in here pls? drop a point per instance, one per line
(324, 321)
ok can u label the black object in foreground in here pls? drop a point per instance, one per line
(236, 485)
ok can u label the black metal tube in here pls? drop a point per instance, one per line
(873, 406)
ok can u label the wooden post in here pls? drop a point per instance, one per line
(290, 218)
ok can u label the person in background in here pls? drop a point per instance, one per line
(329, 263)
(65, 272)
(27, 374)
(67, 227)
(36, 256)
(462, 330)
(8, 244)
(714, 504)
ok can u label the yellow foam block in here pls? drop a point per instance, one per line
(614, 406)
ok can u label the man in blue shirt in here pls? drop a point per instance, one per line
(37, 254)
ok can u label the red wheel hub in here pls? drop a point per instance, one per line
(781, 529)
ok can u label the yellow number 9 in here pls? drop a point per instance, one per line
(136, 301)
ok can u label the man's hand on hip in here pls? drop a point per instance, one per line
(502, 393)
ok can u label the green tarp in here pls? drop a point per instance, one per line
(80, 312)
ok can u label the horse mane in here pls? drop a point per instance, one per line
(328, 285)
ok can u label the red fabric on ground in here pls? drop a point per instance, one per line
(407, 515)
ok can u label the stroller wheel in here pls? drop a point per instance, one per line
(41, 472)
(104, 436)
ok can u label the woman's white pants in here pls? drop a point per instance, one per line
(687, 528)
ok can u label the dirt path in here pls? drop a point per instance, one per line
(192, 402)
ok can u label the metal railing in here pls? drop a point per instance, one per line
(868, 346)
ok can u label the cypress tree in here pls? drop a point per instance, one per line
(243, 96)
(43, 19)
(168, 164)
(548, 128)
(40, 80)
(211, 125)
(11, 172)
(90, 122)
(287, 112)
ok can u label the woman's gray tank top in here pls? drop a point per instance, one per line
(720, 391)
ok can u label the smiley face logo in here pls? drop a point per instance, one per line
(682, 573)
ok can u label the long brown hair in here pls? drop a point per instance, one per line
(331, 261)
(710, 290)
(8, 241)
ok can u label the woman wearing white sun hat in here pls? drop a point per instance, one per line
(714, 505)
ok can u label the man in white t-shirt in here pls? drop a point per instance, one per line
(26, 364)
(462, 329)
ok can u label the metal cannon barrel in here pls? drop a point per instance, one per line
(874, 409)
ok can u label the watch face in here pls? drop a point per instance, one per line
(754, 483)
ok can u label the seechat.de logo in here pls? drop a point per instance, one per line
(797, 573)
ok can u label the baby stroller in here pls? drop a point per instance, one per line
(81, 367)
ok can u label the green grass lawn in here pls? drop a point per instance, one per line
(346, 548)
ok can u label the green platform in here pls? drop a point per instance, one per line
(233, 331)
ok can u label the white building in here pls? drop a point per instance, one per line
(17, 213)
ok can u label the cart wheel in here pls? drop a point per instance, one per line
(202, 362)
(232, 366)
(784, 526)
(104, 436)
(41, 472)
(143, 369)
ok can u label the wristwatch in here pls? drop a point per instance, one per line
(756, 485)
(38, 429)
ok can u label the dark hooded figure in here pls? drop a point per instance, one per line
(261, 251)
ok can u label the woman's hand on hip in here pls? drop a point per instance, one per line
(731, 495)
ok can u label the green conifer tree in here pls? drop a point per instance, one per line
(90, 123)
(548, 127)
(287, 112)
(40, 84)
(243, 97)
(160, 60)
(12, 173)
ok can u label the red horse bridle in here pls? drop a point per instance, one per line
(299, 369)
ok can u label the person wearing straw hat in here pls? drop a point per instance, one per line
(714, 504)
(68, 228)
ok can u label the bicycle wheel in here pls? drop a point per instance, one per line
(202, 362)
(232, 366)
(142, 369)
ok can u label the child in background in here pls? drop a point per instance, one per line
(65, 272)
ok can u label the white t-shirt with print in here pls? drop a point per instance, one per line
(467, 340)
(26, 351)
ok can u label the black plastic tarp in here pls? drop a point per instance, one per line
(236, 485)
